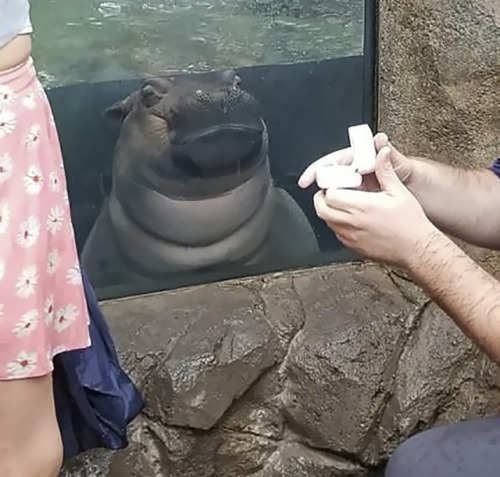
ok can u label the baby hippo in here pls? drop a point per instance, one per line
(191, 187)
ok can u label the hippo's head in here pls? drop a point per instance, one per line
(198, 129)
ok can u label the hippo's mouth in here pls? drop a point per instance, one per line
(219, 150)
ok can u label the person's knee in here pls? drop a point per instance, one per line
(412, 457)
(399, 465)
(41, 457)
(52, 458)
(54, 463)
(30, 440)
(47, 450)
(40, 461)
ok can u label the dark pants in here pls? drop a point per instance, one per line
(464, 449)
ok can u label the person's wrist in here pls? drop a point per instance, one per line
(426, 242)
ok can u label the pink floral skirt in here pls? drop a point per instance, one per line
(42, 304)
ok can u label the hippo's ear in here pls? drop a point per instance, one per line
(119, 110)
(153, 90)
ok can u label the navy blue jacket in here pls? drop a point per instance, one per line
(95, 399)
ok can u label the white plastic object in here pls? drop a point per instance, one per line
(363, 147)
(337, 177)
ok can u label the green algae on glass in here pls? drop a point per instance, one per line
(94, 40)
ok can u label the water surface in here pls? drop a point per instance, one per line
(92, 40)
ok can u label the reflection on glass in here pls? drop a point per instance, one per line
(190, 175)
(94, 40)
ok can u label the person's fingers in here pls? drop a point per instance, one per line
(370, 183)
(329, 214)
(384, 170)
(381, 140)
(342, 238)
(397, 157)
(349, 200)
(401, 163)
(342, 157)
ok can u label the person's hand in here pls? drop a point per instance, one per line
(388, 225)
(344, 157)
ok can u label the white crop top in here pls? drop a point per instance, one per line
(14, 19)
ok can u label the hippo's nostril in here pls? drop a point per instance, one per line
(202, 96)
(234, 95)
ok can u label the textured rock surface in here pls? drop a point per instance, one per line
(346, 357)
(321, 372)
(439, 82)
(298, 461)
(440, 77)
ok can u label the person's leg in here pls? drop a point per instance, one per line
(30, 441)
(43, 310)
(463, 449)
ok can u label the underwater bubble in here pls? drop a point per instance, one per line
(109, 9)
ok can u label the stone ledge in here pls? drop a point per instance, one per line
(321, 371)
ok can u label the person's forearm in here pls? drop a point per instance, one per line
(466, 292)
(462, 203)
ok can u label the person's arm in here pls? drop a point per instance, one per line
(461, 203)
(466, 292)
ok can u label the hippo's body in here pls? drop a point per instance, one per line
(191, 187)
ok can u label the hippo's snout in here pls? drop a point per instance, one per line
(220, 147)
(215, 126)
(203, 125)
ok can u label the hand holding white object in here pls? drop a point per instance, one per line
(322, 170)
(383, 225)
(347, 176)
(340, 169)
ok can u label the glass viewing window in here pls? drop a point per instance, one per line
(185, 125)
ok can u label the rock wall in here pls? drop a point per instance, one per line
(321, 372)
(439, 82)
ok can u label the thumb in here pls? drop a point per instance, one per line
(384, 170)
(381, 140)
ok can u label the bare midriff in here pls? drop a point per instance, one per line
(15, 53)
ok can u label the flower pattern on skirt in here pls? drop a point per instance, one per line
(43, 310)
